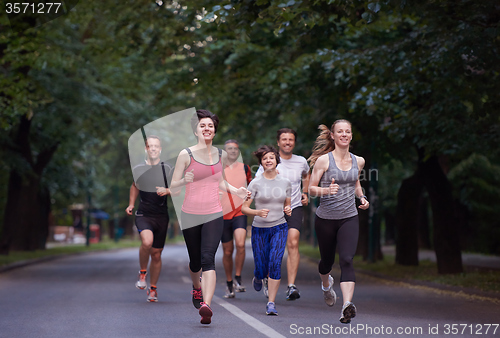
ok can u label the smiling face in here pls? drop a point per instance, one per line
(342, 134)
(233, 151)
(153, 149)
(286, 143)
(205, 131)
(269, 161)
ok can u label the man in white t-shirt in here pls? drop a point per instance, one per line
(296, 169)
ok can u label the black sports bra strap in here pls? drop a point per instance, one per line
(189, 152)
(220, 154)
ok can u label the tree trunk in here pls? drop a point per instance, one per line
(424, 233)
(26, 218)
(406, 220)
(446, 225)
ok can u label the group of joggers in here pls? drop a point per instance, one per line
(219, 194)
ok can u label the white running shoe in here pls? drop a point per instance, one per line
(152, 294)
(329, 295)
(348, 312)
(141, 284)
(238, 287)
(229, 293)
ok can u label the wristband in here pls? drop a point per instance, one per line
(360, 197)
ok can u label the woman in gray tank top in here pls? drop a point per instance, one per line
(335, 179)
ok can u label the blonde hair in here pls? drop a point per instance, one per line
(324, 142)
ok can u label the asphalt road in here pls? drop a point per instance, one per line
(93, 295)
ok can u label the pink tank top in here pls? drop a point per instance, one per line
(202, 195)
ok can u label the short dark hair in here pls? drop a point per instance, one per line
(201, 114)
(263, 150)
(286, 131)
(152, 136)
(232, 141)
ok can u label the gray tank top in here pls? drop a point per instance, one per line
(342, 204)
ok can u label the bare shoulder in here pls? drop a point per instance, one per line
(361, 161)
(322, 161)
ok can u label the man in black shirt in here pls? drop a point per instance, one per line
(152, 215)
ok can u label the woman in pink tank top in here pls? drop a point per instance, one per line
(199, 170)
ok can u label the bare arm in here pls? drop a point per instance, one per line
(180, 166)
(288, 206)
(245, 208)
(305, 188)
(358, 190)
(319, 169)
(134, 192)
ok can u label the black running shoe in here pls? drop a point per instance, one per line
(197, 297)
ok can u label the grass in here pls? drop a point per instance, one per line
(106, 244)
(477, 279)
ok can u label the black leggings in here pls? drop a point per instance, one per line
(342, 233)
(202, 242)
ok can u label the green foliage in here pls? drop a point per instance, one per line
(478, 181)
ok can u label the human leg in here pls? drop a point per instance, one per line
(228, 248)
(211, 233)
(294, 225)
(277, 249)
(144, 252)
(348, 240)
(260, 249)
(192, 237)
(227, 259)
(155, 266)
(240, 236)
(145, 248)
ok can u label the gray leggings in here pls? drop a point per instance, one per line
(341, 233)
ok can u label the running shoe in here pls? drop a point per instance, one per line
(348, 312)
(229, 292)
(257, 284)
(238, 287)
(205, 313)
(197, 297)
(329, 295)
(141, 283)
(271, 309)
(152, 294)
(266, 289)
(292, 293)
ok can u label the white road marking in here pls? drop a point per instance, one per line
(245, 317)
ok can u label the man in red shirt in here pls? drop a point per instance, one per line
(235, 223)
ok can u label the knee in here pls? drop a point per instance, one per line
(156, 256)
(228, 251)
(240, 247)
(147, 244)
(346, 262)
(207, 262)
(293, 244)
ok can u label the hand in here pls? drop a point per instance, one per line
(305, 199)
(189, 176)
(364, 203)
(333, 188)
(288, 210)
(161, 191)
(129, 210)
(263, 213)
(243, 193)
